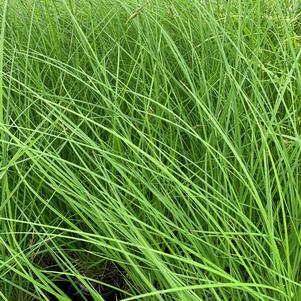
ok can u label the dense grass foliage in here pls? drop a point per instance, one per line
(162, 136)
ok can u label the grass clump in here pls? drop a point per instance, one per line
(160, 139)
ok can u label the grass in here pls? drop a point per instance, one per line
(162, 136)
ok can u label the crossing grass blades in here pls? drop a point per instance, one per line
(151, 148)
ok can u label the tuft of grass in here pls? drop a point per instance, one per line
(159, 137)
